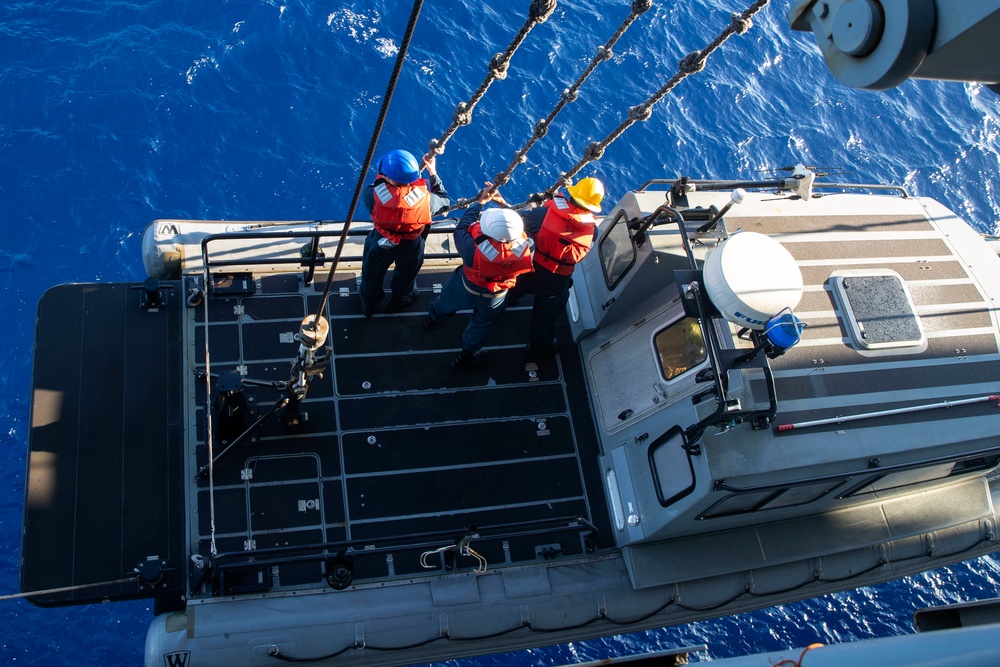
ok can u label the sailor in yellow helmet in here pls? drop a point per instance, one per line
(564, 229)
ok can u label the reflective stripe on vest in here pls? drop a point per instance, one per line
(488, 250)
(383, 194)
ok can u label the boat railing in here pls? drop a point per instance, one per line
(446, 543)
(311, 255)
(778, 184)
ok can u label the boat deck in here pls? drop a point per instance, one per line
(396, 454)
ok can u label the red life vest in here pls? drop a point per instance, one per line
(497, 264)
(565, 236)
(401, 211)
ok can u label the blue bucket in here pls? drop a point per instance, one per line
(783, 330)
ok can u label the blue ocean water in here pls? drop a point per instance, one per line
(117, 112)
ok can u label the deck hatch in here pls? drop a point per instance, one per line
(877, 309)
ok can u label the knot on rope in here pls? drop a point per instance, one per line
(641, 6)
(562, 181)
(541, 10)
(741, 24)
(498, 66)
(500, 179)
(604, 53)
(462, 116)
(640, 112)
(569, 95)
(594, 151)
(692, 63)
(541, 128)
(536, 199)
(435, 147)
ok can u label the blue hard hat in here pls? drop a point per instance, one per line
(399, 166)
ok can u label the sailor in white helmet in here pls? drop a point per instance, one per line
(495, 250)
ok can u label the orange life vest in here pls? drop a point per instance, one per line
(565, 236)
(401, 211)
(497, 264)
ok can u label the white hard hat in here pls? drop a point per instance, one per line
(501, 224)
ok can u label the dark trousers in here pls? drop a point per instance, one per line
(551, 292)
(408, 257)
(457, 294)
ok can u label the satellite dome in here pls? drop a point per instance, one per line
(750, 277)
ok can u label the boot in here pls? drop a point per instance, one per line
(467, 360)
(396, 305)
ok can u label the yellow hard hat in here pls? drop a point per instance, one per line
(588, 193)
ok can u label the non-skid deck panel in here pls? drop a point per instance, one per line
(398, 445)
(422, 372)
(840, 354)
(898, 223)
(385, 412)
(104, 485)
(255, 507)
(459, 489)
(853, 250)
(458, 444)
(907, 268)
(457, 522)
(403, 332)
(428, 282)
(824, 386)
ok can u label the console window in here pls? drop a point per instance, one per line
(617, 251)
(681, 346)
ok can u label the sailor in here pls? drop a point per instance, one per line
(563, 230)
(401, 204)
(495, 251)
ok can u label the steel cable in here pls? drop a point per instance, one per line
(539, 11)
(690, 64)
(568, 96)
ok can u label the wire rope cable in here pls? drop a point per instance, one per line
(691, 64)
(538, 12)
(569, 95)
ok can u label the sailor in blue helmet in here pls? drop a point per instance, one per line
(401, 204)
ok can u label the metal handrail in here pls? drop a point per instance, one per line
(413, 541)
(722, 359)
(781, 184)
(309, 263)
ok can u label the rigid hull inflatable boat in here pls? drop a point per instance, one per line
(751, 404)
